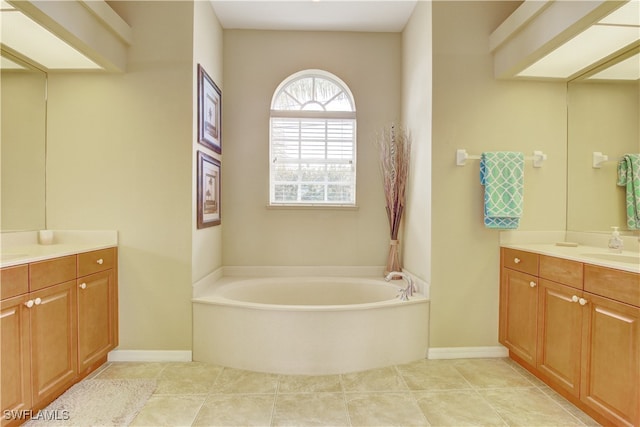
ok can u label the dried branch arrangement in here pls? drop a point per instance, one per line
(394, 145)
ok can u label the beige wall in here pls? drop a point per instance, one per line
(207, 50)
(255, 63)
(474, 111)
(416, 115)
(121, 154)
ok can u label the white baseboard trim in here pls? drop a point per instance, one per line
(467, 352)
(149, 356)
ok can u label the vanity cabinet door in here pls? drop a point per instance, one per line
(611, 359)
(559, 335)
(518, 314)
(96, 323)
(15, 359)
(53, 340)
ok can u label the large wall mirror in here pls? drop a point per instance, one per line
(23, 148)
(603, 116)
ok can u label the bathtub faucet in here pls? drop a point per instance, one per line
(407, 292)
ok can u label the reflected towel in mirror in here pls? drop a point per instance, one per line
(629, 177)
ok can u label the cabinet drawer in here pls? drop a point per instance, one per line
(52, 272)
(14, 281)
(95, 261)
(525, 262)
(562, 271)
(615, 284)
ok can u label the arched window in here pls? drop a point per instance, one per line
(313, 141)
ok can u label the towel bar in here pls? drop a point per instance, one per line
(462, 156)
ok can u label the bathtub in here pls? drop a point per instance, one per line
(308, 325)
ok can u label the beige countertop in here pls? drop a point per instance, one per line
(626, 260)
(23, 247)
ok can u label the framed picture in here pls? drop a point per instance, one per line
(208, 191)
(209, 112)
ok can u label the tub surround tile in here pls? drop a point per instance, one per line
(309, 384)
(382, 379)
(236, 410)
(306, 409)
(457, 408)
(169, 410)
(241, 381)
(384, 409)
(432, 375)
(528, 407)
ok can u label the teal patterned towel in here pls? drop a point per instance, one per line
(502, 174)
(629, 177)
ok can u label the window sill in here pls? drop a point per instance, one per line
(312, 207)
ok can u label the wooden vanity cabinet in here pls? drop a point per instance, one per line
(52, 320)
(560, 322)
(15, 357)
(56, 326)
(587, 334)
(610, 382)
(97, 311)
(519, 313)
(559, 335)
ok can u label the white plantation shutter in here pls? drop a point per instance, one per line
(313, 142)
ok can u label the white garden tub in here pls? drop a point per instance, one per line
(308, 325)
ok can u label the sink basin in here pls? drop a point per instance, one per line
(631, 259)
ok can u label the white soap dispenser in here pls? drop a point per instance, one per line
(615, 241)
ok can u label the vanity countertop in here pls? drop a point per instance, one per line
(23, 247)
(626, 260)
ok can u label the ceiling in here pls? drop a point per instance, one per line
(315, 15)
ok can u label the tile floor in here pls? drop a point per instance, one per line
(463, 392)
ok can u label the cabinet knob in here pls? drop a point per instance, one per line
(583, 301)
(37, 301)
(29, 303)
(575, 298)
(516, 260)
(532, 284)
(100, 261)
(83, 286)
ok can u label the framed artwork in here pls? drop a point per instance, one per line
(208, 191)
(209, 112)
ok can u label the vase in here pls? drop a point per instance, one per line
(393, 260)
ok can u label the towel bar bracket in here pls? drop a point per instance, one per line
(599, 159)
(538, 158)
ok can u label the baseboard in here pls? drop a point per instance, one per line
(149, 356)
(467, 352)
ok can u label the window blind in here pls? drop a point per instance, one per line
(313, 160)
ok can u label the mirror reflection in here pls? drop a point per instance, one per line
(602, 117)
(23, 148)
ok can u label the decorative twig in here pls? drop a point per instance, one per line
(394, 145)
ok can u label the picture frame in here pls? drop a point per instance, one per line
(209, 112)
(208, 198)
